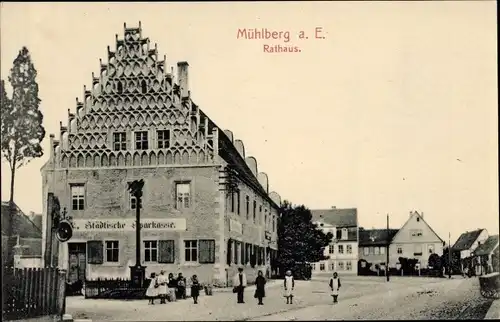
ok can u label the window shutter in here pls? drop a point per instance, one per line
(253, 257)
(243, 254)
(166, 251)
(229, 251)
(95, 252)
(207, 251)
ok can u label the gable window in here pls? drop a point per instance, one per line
(416, 232)
(247, 204)
(163, 139)
(341, 249)
(112, 251)
(344, 233)
(183, 192)
(331, 249)
(349, 249)
(254, 211)
(400, 250)
(141, 140)
(150, 251)
(190, 250)
(119, 141)
(78, 197)
(366, 250)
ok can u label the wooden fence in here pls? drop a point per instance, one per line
(32, 292)
(114, 289)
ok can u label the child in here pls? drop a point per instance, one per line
(195, 288)
(289, 284)
(335, 286)
(152, 290)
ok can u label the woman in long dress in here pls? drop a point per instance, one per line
(289, 284)
(260, 291)
(162, 287)
(152, 291)
(335, 286)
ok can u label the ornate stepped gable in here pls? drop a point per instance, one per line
(134, 92)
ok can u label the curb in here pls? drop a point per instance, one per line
(494, 311)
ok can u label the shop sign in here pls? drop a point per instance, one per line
(119, 224)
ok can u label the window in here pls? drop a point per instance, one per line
(119, 141)
(344, 233)
(366, 250)
(260, 213)
(313, 266)
(207, 251)
(190, 251)
(400, 250)
(150, 251)
(254, 210)
(382, 250)
(377, 250)
(141, 140)
(321, 266)
(331, 249)
(238, 200)
(417, 250)
(341, 266)
(349, 249)
(430, 248)
(182, 191)
(274, 223)
(163, 139)
(341, 249)
(112, 251)
(265, 217)
(233, 200)
(332, 266)
(247, 203)
(348, 266)
(78, 197)
(416, 232)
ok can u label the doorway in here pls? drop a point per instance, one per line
(77, 260)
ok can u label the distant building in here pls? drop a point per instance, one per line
(373, 245)
(469, 241)
(136, 122)
(26, 241)
(415, 239)
(343, 250)
(488, 255)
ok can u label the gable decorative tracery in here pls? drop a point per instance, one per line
(133, 92)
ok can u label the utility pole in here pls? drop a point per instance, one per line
(137, 272)
(449, 254)
(387, 251)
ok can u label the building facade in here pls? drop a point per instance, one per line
(136, 122)
(343, 250)
(373, 245)
(415, 239)
(469, 241)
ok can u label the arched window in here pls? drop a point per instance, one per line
(119, 87)
(144, 87)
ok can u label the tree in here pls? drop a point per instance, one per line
(21, 121)
(455, 260)
(434, 261)
(299, 239)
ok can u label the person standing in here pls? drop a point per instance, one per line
(195, 288)
(289, 285)
(260, 291)
(240, 282)
(181, 287)
(335, 286)
(172, 287)
(162, 287)
(152, 291)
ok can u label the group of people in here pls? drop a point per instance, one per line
(240, 283)
(171, 288)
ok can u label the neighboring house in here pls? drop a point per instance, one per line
(469, 241)
(343, 250)
(26, 239)
(487, 253)
(373, 245)
(416, 239)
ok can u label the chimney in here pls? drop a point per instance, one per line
(182, 76)
(422, 215)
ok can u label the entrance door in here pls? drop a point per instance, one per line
(77, 262)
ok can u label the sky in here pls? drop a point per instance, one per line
(394, 110)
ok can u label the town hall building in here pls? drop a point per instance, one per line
(137, 122)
